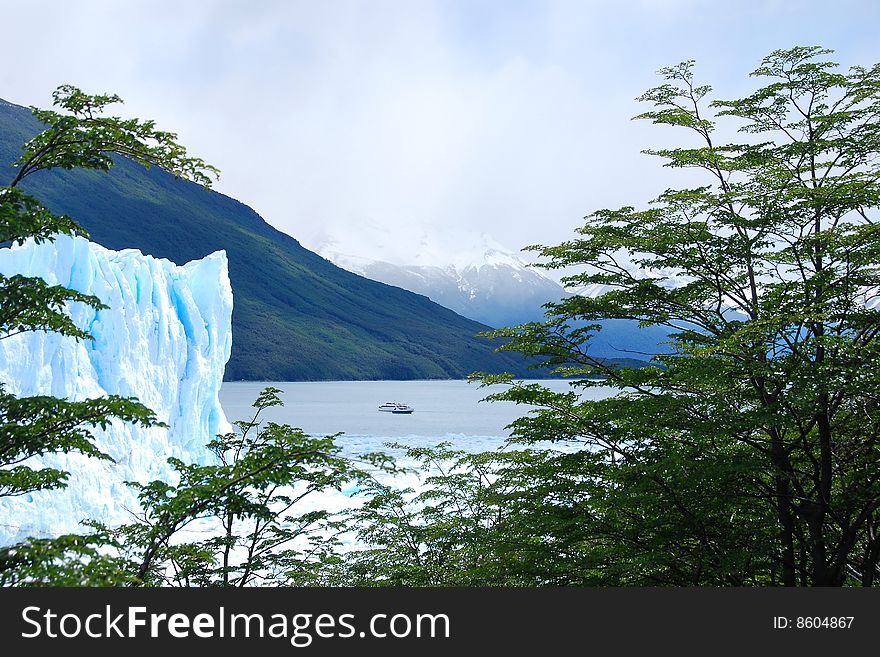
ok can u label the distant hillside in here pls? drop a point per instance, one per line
(296, 316)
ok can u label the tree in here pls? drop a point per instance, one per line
(78, 136)
(250, 500)
(750, 454)
(504, 518)
(440, 536)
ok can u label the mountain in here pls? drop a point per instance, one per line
(296, 316)
(492, 286)
(497, 287)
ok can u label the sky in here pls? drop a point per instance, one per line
(382, 129)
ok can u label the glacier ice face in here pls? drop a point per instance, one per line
(165, 339)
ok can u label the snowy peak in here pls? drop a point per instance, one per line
(495, 258)
(414, 245)
(428, 254)
(485, 282)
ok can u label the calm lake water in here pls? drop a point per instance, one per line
(444, 411)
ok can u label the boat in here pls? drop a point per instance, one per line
(396, 408)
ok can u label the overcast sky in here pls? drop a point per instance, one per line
(375, 122)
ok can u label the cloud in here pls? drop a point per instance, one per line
(452, 118)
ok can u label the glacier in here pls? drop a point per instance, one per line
(165, 339)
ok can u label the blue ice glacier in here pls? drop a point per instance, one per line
(165, 340)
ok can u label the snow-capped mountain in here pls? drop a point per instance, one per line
(489, 283)
(480, 279)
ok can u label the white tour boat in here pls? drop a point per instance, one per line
(394, 407)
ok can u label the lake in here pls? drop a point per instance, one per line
(444, 411)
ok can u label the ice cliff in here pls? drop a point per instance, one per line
(165, 339)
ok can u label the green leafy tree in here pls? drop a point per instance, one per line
(439, 536)
(477, 519)
(68, 560)
(79, 135)
(750, 454)
(249, 501)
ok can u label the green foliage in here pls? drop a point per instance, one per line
(30, 304)
(33, 426)
(750, 454)
(452, 533)
(545, 517)
(69, 560)
(83, 138)
(249, 499)
(22, 216)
